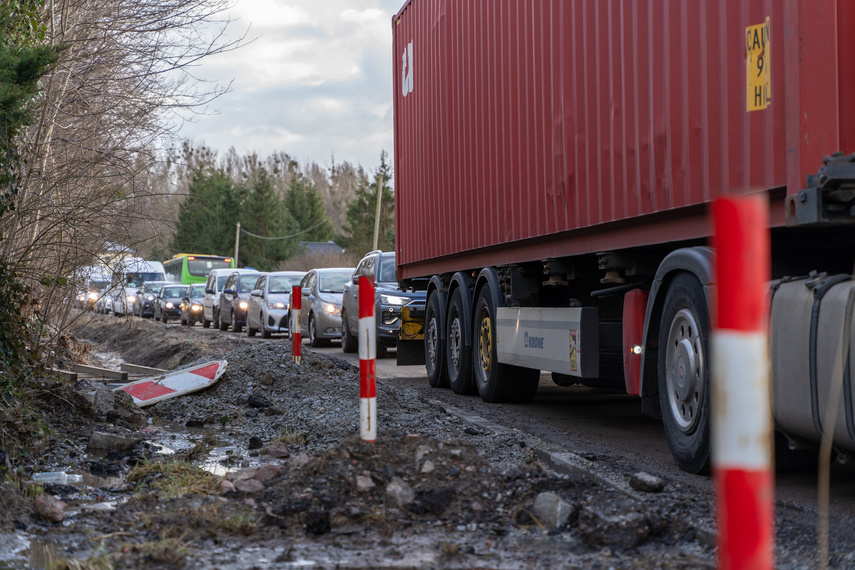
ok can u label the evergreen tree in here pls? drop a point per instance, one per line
(208, 216)
(361, 211)
(304, 203)
(265, 215)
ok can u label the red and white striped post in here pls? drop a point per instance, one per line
(742, 412)
(296, 322)
(367, 361)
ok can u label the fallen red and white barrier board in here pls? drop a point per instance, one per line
(150, 391)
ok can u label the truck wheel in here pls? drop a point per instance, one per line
(497, 382)
(434, 347)
(458, 356)
(684, 375)
(349, 343)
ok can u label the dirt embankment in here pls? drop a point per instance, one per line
(293, 484)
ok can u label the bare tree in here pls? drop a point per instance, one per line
(108, 113)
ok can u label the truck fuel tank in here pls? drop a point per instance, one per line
(811, 344)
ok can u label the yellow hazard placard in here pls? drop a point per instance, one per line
(758, 68)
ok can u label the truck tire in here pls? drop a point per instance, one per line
(497, 382)
(434, 345)
(684, 385)
(349, 343)
(458, 356)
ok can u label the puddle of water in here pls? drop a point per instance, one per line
(19, 551)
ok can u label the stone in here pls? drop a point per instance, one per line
(647, 483)
(399, 494)
(552, 511)
(428, 467)
(257, 401)
(226, 486)
(268, 472)
(49, 507)
(615, 524)
(255, 443)
(364, 483)
(243, 474)
(266, 379)
(103, 441)
(249, 485)
(276, 449)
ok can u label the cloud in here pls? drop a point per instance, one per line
(315, 82)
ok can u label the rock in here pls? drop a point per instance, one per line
(646, 482)
(433, 501)
(195, 423)
(258, 401)
(115, 406)
(49, 507)
(317, 522)
(255, 443)
(249, 485)
(428, 467)
(399, 494)
(276, 449)
(364, 483)
(552, 511)
(243, 474)
(226, 486)
(268, 472)
(615, 523)
(266, 379)
(300, 460)
(103, 441)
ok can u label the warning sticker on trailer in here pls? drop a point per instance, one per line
(757, 66)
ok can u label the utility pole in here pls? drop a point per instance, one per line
(377, 215)
(237, 244)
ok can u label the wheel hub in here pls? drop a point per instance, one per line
(685, 371)
(486, 344)
(432, 341)
(454, 342)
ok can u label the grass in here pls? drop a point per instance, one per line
(170, 480)
(291, 437)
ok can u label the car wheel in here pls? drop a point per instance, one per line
(184, 322)
(313, 333)
(684, 374)
(236, 327)
(349, 343)
(223, 326)
(434, 345)
(249, 330)
(497, 382)
(164, 317)
(205, 323)
(264, 332)
(458, 356)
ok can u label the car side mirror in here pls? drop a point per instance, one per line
(228, 292)
(256, 293)
(355, 280)
(209, 291)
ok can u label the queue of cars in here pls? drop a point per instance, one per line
(261, 302)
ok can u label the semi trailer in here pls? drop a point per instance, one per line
(555, 162)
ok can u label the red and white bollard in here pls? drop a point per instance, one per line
(296, 323)
(742, 412)
(367, 361)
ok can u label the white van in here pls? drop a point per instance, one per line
(213, 290)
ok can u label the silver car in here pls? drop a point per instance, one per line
(320, 308)
(270, 303)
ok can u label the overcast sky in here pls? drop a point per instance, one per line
(315, 83)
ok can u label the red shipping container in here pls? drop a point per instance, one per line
(548, 128)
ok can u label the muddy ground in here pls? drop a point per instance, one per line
(266, 470)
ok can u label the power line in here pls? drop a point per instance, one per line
(283, 237)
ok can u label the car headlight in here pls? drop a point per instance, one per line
(170, 306)
(195, 307)
(393, 300)
(331, 309)
(80, 297)
(93, 295)
(131, 299)
(150, 297)
(243, 305)
(276, 306)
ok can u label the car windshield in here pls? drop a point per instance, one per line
(332, 282)
(280, 284)
(174, 291)
(247, 282)
(137, 279)
(197, 292)
(154, 288)
(386, 272)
